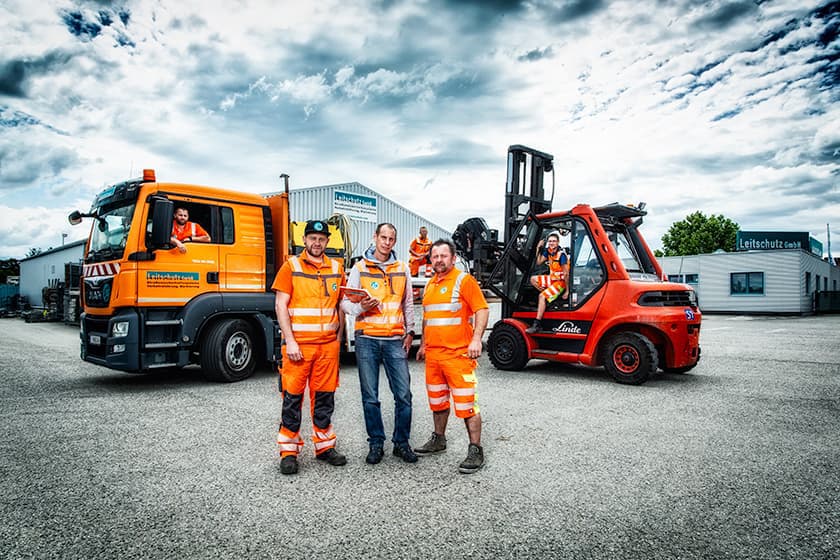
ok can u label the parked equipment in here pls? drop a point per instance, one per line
(617, 312)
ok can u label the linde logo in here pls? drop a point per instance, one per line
(567, 327)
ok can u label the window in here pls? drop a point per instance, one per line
(746, 283)
(684, 278)
(825, 284)
(807, 283)
(817, 284)
(227, 225)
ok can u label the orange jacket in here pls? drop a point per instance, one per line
(189, 229)
(388, 286)
(419, 247)
(448, 305)
(314, 297)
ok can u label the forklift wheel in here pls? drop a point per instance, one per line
(506, 348)
(630, 358)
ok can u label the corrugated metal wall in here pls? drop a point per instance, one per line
(784, 279)
(36, 272)
(318, 202)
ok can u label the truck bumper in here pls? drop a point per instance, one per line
(111, 341)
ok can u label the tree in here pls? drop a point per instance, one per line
(8, 267)
(698, 234)
(33, 251)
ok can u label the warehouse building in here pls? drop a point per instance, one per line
(784, 279)
(364, 208)
(47, 268)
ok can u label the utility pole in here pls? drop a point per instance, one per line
(63, 236)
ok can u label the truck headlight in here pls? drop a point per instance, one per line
(120, 328)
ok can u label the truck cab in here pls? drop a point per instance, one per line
(148, 305)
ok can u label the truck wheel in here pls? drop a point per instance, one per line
(630, 358)
(228, 353)
(506, 348)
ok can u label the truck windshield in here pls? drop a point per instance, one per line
(110, 232)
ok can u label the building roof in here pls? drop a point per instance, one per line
(56, 249)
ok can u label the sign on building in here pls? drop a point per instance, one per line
(356, 206)
(764, 240)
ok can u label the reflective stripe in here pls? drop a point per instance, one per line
(293, 447)
(310, 311)
(439, 400)
(319, 445)
(441, 387)
(162, 300)
(442, 307)
(390, 305)
(330, 433)
(443, 322)
(318, 327)
(463, 392)
(378, 319)
(463, 406)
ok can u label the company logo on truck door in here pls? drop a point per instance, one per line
(161, 279)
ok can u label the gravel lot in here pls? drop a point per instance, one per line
(739, 458)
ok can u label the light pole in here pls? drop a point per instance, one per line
(63, 235)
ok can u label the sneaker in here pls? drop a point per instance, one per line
(375, 454)
(436, 444)
(332, 457)
(404, 451)
(289, 465)
(536, 326)
(474, 460)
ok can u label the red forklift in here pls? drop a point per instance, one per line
(615, 310)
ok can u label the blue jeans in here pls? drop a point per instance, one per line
(370, 352)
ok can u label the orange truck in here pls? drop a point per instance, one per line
(148, 306)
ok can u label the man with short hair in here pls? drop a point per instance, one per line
(306, 303)
(183, 230)
(455, 315)
(384, 330)
(419, 251)
(553, 284)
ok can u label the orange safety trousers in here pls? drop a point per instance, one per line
(451, 372)
(318, 369)
(552, 285)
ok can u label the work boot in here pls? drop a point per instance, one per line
(404, 451)
(474, 460)
(436, 444)
(332, 457)
(536, 326)
(375, 454)
(289, 465)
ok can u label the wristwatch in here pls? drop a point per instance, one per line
(410, 333)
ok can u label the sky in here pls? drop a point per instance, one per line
(725, 107)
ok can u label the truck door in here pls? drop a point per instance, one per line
(173, 278)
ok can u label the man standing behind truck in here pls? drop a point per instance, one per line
(384, 331)
(306, 302)
(419, 251)
(455, 315)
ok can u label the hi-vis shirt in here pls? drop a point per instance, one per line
(189, 229)
(314, 295)
(448, 305)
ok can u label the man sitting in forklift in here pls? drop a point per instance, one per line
(553, 284)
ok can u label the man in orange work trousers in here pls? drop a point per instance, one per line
(451, 344)
(306, 303)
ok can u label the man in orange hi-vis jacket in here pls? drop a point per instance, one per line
(183, 230)
(306, 302)
(455, 315)
(419, 251)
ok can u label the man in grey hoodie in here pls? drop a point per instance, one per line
(384, 331)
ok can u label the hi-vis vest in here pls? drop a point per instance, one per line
(420, 246)
(312, 307)
(388, 287)
(557, 262)
(181, 232)
(446, 320)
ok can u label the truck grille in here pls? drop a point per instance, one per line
(98, 291)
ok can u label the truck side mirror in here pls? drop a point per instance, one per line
(75, 218)
(162, 210)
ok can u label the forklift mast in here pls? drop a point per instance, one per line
(525, 189)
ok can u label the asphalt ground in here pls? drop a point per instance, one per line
(737, 459)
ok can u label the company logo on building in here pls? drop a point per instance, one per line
(775, 240)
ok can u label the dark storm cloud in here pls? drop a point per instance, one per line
(454, 153)
(23, 165)
(15, 73)
(536, 54)
(10, 118)
(725, 15)
(79, 25)
(570, 10)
